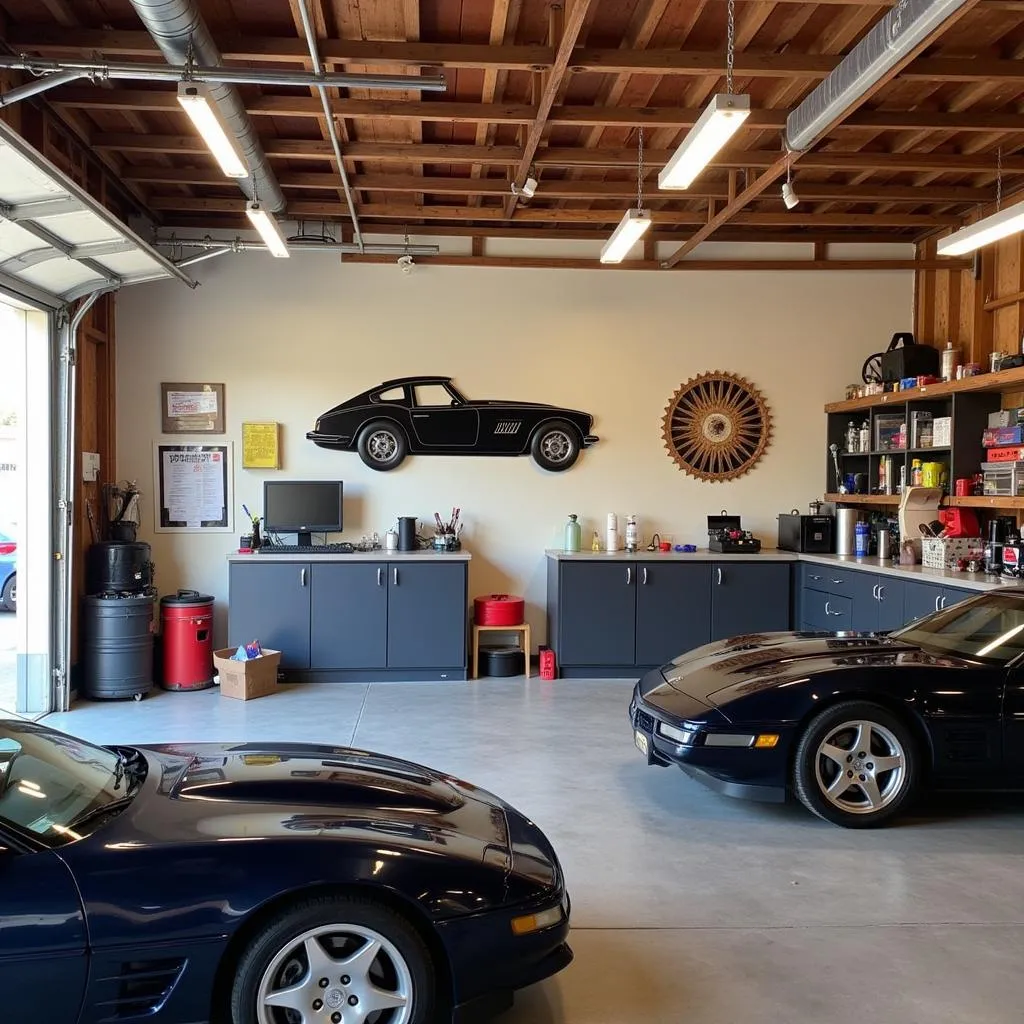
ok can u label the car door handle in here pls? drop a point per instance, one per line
(719, 571)
(420, 415)
(380, 576)
(645, 576)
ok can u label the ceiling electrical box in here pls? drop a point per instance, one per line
(90, 466)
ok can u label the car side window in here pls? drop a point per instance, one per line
(433, 395)
(393, 396)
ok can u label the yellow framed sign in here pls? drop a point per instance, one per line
(261, 446)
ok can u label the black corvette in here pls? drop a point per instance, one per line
(852, 724)
(261, 884)
(428, 416)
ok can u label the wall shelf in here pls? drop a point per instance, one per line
(864, 499)
(974, 501)
(987, 501)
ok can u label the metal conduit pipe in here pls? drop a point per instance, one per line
(332, 131)
(179, 31)
(58, 72)
(215, 247)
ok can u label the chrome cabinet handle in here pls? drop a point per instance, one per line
(881, 591)
(629, 575)
(302, 577)
(817, 577)
(828, 610)
(942, 603)
(380, 576)
(874, 592)
(719, 571)
(937, 600)
(645, 575)
(837, 581)
(394, 575)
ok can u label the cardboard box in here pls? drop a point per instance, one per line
(247, 680)
(1013, 453)
(1006, 418)
(995, 436)
(938, 552)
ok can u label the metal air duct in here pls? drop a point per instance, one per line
(178, 28)
(903, 27)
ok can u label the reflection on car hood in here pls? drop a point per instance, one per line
(720, 673)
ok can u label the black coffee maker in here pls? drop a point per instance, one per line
(1000, 530)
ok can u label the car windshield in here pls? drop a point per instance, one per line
(49, 782)
(989, 629)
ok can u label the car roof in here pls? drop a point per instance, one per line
(401, 381)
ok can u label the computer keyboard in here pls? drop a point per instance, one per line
(340, 548)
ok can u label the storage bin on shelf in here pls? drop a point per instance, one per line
(938, 552)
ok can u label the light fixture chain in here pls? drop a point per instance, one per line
(730, 50)
(640, 171)
(999, 178)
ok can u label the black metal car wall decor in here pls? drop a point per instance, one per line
(429, 416)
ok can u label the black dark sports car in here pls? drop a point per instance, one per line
(428, 416)
(261, 884)
(853, 724)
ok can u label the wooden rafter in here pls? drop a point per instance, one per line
(779, 167)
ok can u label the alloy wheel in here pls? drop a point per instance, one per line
(860, 767)
(556, 446)
(382, 445)
(343, 973)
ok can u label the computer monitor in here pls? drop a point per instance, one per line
(303, 507)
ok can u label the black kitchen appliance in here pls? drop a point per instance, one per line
(1000, 530)
(905, 358)
(726, 535)
(814, 533)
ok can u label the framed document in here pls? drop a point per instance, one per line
(193, 485)
(192, 408)
(261, 446)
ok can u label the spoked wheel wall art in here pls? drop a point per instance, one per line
(717, 426)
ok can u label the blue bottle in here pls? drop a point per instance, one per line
(861, 539)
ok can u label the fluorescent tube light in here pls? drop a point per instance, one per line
(266, 224)
(628, 232)
(989, 229)
(197, 102)
(721, 119)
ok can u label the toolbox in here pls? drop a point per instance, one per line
(726, 535)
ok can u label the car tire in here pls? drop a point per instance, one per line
(274, 973)
(382, 445)
(9, 596)
(832, 779)
(555, 446)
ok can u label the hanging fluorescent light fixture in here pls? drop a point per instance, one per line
(266, 224)
(719, 122)
(721, 119)
(634, 222)
(197, 102)
(989, 229)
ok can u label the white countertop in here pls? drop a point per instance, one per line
(357, 556)
(918, 573)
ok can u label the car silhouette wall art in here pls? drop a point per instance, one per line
(429, 416)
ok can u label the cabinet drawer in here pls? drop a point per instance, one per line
(828, 611)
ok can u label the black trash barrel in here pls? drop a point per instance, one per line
(117, 648)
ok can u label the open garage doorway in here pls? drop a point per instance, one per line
(26, 508)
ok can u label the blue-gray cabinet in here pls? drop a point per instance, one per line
(610, 617)
(749, 597)
(270, 602)
(336, 620)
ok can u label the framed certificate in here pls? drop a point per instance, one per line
(192, 408)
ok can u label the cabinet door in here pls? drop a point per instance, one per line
(270, 602)
(747, 597)
(673, 610)
(920, 599)
(890, 603)
(954, 595)
(597, 612)
(349, 622)
(862, 588)
(426, 615)
(830, 613)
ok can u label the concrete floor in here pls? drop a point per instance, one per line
(687, 906)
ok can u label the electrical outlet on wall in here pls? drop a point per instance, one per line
(90, 466)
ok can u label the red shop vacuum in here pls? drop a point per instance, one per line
(187, 627)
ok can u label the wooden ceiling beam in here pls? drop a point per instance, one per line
(165, 101)
(551, 189)
(782, 165)
(457, 153)
(412, 212)
(54, 42)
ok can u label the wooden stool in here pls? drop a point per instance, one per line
(523, 629)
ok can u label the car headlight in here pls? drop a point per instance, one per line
(529, 923)
(685, 736)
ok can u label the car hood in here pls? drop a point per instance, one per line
(720, 673)
(232, 791)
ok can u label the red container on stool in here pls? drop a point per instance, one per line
(187, 625)
(499, 610)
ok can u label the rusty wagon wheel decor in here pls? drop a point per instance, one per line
(717, 426)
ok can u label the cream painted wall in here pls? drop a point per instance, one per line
(289, 339)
